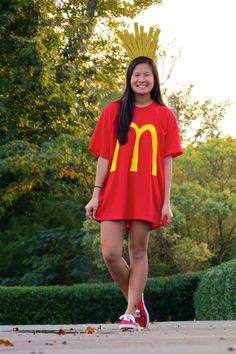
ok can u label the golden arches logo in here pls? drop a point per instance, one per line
(134, 163)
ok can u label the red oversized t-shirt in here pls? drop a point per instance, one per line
(134, 185)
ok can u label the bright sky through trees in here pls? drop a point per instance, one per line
(204, 30)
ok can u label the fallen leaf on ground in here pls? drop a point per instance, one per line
(90, 330)
(6, 342)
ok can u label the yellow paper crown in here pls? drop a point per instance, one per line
(140, 43)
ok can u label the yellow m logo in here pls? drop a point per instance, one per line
(134, 163)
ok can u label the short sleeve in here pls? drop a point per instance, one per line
(102, 139)
(172, 139)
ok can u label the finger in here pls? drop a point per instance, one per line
(94, 213)
(89, 213)
(162, 218)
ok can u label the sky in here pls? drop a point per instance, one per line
(205, 32)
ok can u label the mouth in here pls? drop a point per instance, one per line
(142, 86)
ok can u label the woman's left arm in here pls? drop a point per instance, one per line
(166, 213)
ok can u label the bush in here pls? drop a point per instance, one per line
(166, 298)
(215, 298)
(171, 299)
(59, 304)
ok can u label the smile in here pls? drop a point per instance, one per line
(142, 86)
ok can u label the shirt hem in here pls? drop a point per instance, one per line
(154, 225)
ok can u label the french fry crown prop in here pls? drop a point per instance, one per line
(140, 43)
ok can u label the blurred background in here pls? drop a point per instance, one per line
(61, 62)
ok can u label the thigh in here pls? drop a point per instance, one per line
(112, 235)
(139, 233)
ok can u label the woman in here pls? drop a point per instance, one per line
(134, 141)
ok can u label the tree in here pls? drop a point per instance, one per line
(198, 121)
(46, 252)
(190, 256)
(36, 101)
(60, 61)
(207, 204)
(204, 207)
(56, 67)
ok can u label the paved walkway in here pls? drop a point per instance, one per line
(198, 337)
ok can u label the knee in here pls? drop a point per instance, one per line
(110, 256)
(137, 252)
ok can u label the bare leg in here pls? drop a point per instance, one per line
(138, 246)
(112, 236)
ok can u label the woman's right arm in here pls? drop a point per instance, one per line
(101, 172)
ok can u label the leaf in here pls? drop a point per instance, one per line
(6, 343)
(90, 330)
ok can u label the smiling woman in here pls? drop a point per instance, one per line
(142, 82)
(134, 140)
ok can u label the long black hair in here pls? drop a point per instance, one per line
(127, 100)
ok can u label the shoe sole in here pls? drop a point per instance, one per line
(127, 328)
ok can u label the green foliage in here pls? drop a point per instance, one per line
(167, 299)
(190, 256)
(169, 253)
(160, 253)
(43, 192)
(203, 202)
(36, 101)
(204, 195)
(56, 167)
(92, 247)
(202, 118)
(48, 252)
(60, 62)
(215, 298)
(96, 269)
(171, 298)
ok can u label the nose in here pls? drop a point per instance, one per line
(141, 79)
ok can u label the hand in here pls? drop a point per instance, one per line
(91, 208)
(166, 214)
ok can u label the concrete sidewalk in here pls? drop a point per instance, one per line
(198, 337)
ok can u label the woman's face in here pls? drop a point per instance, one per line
(142, 79)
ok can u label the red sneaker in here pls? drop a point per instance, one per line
(142, 315)
(127, 322)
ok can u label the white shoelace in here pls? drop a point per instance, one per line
(127, 317)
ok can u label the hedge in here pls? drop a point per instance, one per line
(166, 298)
(215, 298)
(171, 299)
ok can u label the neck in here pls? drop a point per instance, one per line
(143, 100)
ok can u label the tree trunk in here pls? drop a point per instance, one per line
(91, 6)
